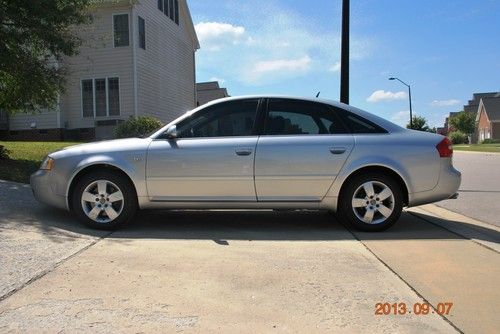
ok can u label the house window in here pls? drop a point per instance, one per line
(160, 5)
(120, 29)
(101, 97)
(114, 96)
(165, 7)
(142, 33)
(171, 9)
(176, 9)
(88, 98)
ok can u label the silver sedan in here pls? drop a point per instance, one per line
(260, 152)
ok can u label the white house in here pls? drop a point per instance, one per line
(137, 58)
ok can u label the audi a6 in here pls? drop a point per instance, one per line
(257, 152)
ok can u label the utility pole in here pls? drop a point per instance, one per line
(344, 67)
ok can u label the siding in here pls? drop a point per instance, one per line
(43, 120)
(98, 58)
(165, 70)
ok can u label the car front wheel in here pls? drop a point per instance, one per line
(104, 200)
(372, 202)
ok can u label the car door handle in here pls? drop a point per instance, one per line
(337, 150)
(243, 151)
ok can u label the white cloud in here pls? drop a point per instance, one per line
(382, 95)
(335, 67)
(277, 69)
(221, 81)
(445, 103)
(214, 36)
(401, 118)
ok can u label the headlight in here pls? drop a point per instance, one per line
(47, 164)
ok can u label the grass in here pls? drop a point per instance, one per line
(25, 158)
(478, 147)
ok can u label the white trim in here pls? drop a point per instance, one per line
(113, 29)
(134, 61)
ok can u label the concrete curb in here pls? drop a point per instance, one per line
(475, 152)
(481, 233)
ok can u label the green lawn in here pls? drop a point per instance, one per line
(478, 147)
(25, 158)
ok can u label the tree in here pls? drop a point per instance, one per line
(35, 36)
(464, 122)
(419, 123)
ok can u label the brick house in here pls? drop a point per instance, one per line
(488, 118)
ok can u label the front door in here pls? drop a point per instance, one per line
(211, 160)
(301, 151)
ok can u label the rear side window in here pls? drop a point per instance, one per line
(291, 117)
(359, 125)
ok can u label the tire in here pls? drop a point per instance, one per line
(104, 200)
(362, 207)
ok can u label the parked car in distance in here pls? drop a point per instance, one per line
(256, 152)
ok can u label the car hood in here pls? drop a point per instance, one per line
(108, 146)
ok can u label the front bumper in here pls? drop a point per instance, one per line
(43, 189)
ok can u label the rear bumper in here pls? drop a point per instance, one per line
(446, 188)
(42, 186)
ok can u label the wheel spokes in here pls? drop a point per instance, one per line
(112, 214)
(89, 197)
(94, 213)
(368, 187)
(358, 202)
(116, 196)
(368, 218)
(385, 211)
(101, 187)
(384, 194)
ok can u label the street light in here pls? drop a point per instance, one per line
(409, 96)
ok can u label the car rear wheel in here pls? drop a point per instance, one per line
(104, 200)
(372, 202)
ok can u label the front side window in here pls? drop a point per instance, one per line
(300, 118)
(120, 30)
(228, 119)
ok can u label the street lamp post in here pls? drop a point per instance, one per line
(409, 96)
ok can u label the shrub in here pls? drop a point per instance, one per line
(458, 137)
(491, 141)
(4, 153)
(137, 127)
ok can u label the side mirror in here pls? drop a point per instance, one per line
(171, 132)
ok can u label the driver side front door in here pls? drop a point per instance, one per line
(211, 160)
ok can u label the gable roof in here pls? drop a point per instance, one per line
(492, 108)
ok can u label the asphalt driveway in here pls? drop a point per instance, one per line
(237, 272)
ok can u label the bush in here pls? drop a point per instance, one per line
(458, 137)
(4, 153)
(491, 141)
(137, 127)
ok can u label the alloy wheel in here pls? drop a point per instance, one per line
(373, 202)
(102, 201)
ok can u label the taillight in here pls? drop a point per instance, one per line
(445, 148)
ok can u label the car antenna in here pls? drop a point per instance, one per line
(317, 95)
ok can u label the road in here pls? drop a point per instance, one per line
(226, 271)
(480, 190)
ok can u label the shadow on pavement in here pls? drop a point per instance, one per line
(20, 211)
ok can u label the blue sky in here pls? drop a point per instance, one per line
(446, 50)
